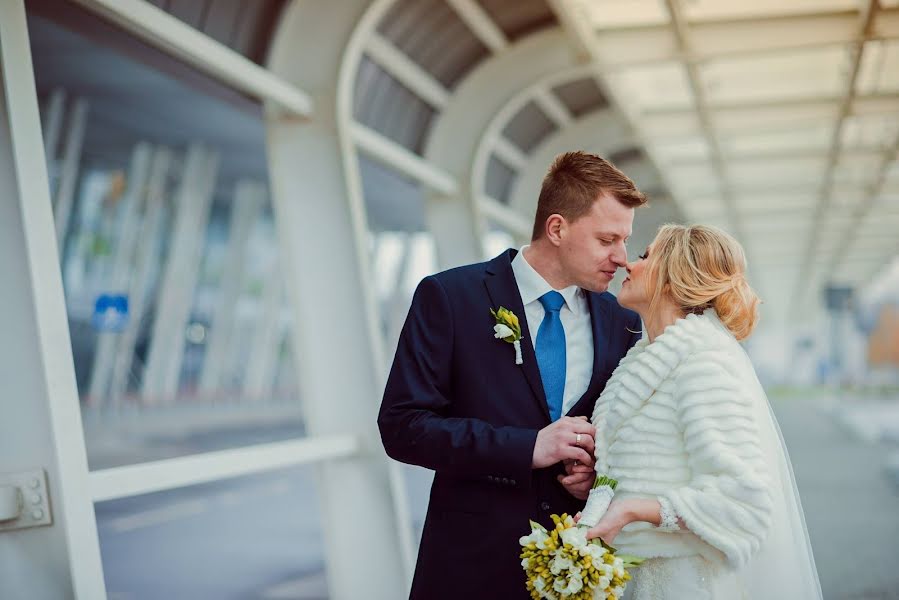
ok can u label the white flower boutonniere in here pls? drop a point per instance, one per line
(508, 329)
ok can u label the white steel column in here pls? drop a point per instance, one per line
(192, 201)
(68, 171)
(129, 226)
(144, 259)
(41, 422)
(259, 376)
(52, 126)
(322, 232)
(399, 300)
(248, 199)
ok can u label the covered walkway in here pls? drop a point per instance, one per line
(213, 214)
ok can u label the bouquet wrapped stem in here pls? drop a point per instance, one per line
(598, 501)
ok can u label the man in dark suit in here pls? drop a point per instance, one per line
(499, 433)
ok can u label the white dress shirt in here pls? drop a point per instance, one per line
(575, 316)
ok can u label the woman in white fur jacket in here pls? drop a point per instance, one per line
(685, 428)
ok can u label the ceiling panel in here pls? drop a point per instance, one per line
(870, 131)
(657, 86)
(677, 150)
(715, 10)
(669, 125)
(815, 137)
(693, 179)
(776, 171)
(776, 75)
(775, 117)
(775, 202)
(611, 14)
(857, 169)
(698, 207)
(879, 70)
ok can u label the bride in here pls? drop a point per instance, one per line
(705, 489)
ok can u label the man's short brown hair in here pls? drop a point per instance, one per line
(574, 182)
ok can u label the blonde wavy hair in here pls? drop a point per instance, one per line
(701, 267)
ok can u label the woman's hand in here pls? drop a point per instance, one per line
(578, 479)
(611, 523)
(620, 513)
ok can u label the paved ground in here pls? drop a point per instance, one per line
(851, 499)
(259, 537)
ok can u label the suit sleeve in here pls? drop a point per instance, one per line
(414, 420)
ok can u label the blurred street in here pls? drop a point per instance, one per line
(260, 537)
(849, 493)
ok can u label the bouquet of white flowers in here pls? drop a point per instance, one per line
(562, 564)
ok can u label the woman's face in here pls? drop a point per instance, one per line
(636, 291)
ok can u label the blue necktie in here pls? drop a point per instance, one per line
(551, 352)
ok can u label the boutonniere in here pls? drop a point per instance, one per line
(508, 329)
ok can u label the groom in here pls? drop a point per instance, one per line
(497, 432)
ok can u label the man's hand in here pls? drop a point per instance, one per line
(568, 438)
(578, 479)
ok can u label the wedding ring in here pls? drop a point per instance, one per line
(577, 440)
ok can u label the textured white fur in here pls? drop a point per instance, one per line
(675, 422)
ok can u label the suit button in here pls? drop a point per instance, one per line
(505, 481)
(544, 506)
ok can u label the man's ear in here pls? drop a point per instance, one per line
(556, 229)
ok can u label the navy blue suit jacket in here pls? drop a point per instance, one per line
(457, 403)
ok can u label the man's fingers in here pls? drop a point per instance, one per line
(588, 444)
(582, 427)
(577, 424)
(581, 469)
(579, 454)
(576, 479)
(578, 468)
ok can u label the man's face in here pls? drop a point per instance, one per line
(592, 248)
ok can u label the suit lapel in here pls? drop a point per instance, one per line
(503, 291)
(602, 332)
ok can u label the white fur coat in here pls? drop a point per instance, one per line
(675, 423)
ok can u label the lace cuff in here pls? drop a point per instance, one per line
(669, 517)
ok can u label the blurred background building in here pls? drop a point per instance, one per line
(213, 214)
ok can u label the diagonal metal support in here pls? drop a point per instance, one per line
(682, 35)
(866, 26)
(580, 32)
(850, 234)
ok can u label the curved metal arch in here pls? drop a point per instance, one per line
(598, 131)
(453, 132)
(616, 138)
(463, 134)
(487, 143)
(570, 135)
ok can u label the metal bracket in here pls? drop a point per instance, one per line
(24, 500)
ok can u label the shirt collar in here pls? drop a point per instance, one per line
(532, 285)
